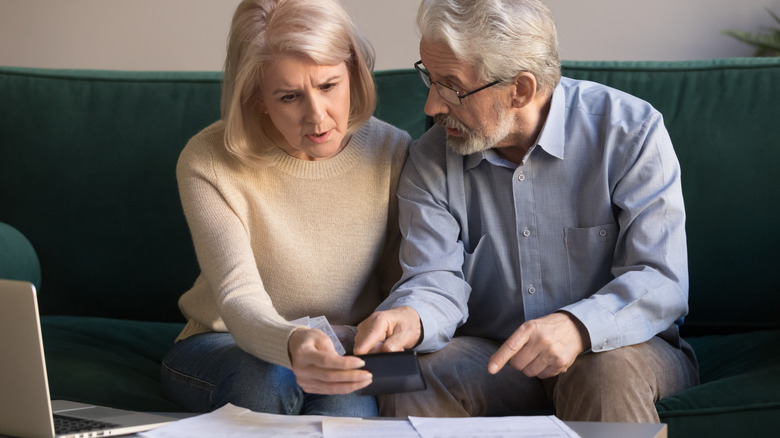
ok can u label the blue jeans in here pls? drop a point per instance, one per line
(207, 371)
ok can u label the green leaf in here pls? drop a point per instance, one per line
(766, 44)
(759, 40)
(777, 18)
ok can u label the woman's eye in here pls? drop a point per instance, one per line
(288, 97)
(328, 87)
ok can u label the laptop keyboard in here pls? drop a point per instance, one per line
(66, 425)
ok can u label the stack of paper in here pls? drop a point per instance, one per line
(239, 422)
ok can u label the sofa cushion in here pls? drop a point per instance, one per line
(18, 260)
(740, 374)
(111, 362)
(722, 116)
(88, 174)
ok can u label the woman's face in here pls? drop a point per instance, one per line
(309, 105)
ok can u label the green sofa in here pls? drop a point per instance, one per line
(89, 212)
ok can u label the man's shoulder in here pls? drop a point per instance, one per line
(596, 98)
(430, 158)
(432, 145)
(592, 93)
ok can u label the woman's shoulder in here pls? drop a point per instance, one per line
(205, 153)
(379, 135)
(380, 128)
(206, 145)
(209, 138)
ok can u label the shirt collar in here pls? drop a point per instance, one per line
(491, 156)
(553, 135)
(551, 139)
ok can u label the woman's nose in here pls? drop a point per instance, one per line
(316, 110)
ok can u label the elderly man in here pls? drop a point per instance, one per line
(544, 248)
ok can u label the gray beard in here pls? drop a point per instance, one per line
(474, 141)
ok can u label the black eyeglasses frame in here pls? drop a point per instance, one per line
(426, 78)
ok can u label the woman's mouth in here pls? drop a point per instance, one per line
(319, 137)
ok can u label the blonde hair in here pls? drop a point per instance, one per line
(502, 37)
(264, 31)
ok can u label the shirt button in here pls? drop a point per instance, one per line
(603, 233)
(531, 289)
(521, 177)
(526, 232)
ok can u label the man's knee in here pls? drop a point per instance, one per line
(614, 368)
(616, 385)
(456, 380)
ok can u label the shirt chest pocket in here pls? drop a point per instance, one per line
(589, 256)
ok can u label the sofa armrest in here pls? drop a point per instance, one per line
(18, 259)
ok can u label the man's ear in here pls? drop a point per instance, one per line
(524, 89)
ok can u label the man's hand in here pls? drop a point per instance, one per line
(543, 347)
(319, 369)
(389, 330)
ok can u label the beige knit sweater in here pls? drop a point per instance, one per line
(298, 238)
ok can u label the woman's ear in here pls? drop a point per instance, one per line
(261, 107)
(524, 89)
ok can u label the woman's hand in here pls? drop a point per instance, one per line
(319, 369)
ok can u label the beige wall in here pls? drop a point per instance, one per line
(190, 34)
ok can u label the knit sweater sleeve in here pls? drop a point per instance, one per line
(225, 255)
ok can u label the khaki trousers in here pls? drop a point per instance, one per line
(619, 385)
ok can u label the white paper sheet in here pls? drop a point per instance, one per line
(232, 421)
(340, 427)
(493, 427)
(321, 322)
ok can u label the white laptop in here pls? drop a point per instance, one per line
(25, 407)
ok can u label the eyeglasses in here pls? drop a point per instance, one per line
(449, 94)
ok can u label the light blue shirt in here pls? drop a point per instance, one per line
(591, 223)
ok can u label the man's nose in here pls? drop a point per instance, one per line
(434, 104)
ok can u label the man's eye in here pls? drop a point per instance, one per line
(453, 87)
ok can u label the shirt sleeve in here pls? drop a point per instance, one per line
(431, 254)
(649, 292)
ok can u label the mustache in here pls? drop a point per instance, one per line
(449, 122)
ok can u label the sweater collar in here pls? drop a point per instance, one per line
(342, 162)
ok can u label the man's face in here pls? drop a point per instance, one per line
(483, 120)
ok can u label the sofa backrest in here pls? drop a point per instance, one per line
(724, 120)
(87, 163)
(87, 174)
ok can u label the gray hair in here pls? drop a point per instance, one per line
(502, 37)
(264, 31)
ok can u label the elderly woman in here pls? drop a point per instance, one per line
(290, 199)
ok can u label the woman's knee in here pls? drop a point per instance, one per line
(209, 371)
(267, 390)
